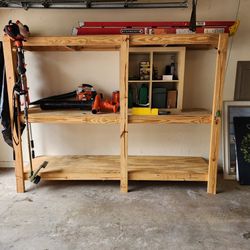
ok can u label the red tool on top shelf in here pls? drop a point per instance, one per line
(105, 28)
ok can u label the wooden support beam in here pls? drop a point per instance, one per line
(104, 41)
(198, 117)
(216, 112)
(207, 40)
(124, 51)
(10, 59)
(36, 115)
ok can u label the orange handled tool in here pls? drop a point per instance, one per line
(104, 106)
(116, 97)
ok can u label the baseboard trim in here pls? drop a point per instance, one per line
(7, 164)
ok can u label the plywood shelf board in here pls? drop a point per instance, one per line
(108, 168)
(167, 168)
(36, 115)
(71, 48)
(78, 167)
(139, 81)
(182, 39)
(101, 41)
(195, 117)
(164, 81)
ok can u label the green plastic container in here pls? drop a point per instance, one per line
(143, 94)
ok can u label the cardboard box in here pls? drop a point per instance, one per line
(167, 77)
(172, 99)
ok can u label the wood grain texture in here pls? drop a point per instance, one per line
(113, 42)
(195, 117)
(145, 49)
(159, 168)
(72, 48)
(167, 168)
(78, 167)
(124, 52)
(172, 39)
(150, 86)
(181, 72)
(10, 59)
(98, 41)
(36, 115)
(217, 108)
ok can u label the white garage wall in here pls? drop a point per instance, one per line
(51, 73)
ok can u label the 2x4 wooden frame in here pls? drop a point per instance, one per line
(123, 167)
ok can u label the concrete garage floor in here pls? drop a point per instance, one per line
(95, 215)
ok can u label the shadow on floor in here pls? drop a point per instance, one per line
(6, 171)
(134, 186)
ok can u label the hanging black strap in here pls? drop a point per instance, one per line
(192, 25)
(4, 103)
(4, 106)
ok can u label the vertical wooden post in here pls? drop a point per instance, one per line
(151, 58)
(181, 70)
(124, 50)
(9, 58)
(216, 112)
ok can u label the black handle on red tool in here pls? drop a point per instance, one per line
(20, 62)
(192, 25)
(64, 104)
(55, 98)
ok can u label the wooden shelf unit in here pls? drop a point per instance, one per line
(96, 43)
(124, 167)
(158, 57)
